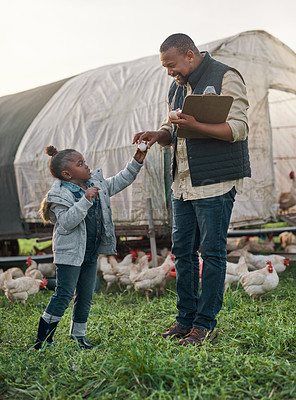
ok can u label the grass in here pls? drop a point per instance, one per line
(254, 357)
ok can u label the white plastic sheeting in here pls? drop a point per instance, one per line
(99, 111)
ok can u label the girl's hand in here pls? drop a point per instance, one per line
(139, 155)
(91, 193)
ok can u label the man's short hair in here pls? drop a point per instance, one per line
(183, 43)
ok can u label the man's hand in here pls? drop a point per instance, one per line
(216, 131)
(149, 136)
(91, 193)
(162, 137)
(185, 121)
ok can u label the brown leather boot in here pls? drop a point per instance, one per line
(198, 337)
(175, 331)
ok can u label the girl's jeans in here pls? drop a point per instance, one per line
(200, 224)
(69, 278)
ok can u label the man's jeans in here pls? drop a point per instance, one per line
(200, 223)
(69, 278)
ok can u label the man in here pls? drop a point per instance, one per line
(207, 173)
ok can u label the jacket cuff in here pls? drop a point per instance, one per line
(134, 163)
(85, 202)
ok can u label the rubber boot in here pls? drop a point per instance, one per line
(82, 342)
(45, 333)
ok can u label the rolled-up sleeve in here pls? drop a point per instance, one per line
(232, 85)
(167, 125)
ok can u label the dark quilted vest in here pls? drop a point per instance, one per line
(210, 160)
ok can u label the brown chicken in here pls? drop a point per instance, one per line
(287, 238)
(266, 247)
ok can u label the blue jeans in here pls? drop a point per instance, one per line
(69, 280)
(200, 224)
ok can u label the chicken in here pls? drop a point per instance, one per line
(47, 269)
(266, 247)
(235, 271)
(137, 253)
(32, 270)
(126, 277)
(236, 243)
(108, 272)
(257, 283)
(34, 273)
(21, 288)
(122, 266)
(237, 252)
(13, 297)
(288, 199)
(291, 248)
(255, 262)
(15, 273)
(140, 266)
(164, 252)
(160, 260)
(154, 278)
(287, 238)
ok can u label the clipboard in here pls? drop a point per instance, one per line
(207, 108)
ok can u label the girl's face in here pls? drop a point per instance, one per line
(77, 170)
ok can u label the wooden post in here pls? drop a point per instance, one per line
(151, 232)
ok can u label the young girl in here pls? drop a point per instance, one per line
(78, 203)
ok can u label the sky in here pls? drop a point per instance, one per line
(43, 41)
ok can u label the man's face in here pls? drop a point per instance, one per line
(178, 65)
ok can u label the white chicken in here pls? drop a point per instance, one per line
(122, 266)
(108, 273)
(235, 271)
(288, 199)
(15, 273)
(127, 276)
(47, 269)
(259, 261)
(159, 259)
(21, 288)
(140, 266)
(32, 270)
(154, 278)
(257, 283)
(34, 273)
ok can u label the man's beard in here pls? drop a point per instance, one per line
(182, 80)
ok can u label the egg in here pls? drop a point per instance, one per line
(142, 146)
(175, 114)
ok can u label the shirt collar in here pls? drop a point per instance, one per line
(73, 187)
(197, 73)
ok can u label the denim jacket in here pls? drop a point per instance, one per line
(69, 234)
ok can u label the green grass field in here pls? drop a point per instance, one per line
(254, 357)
